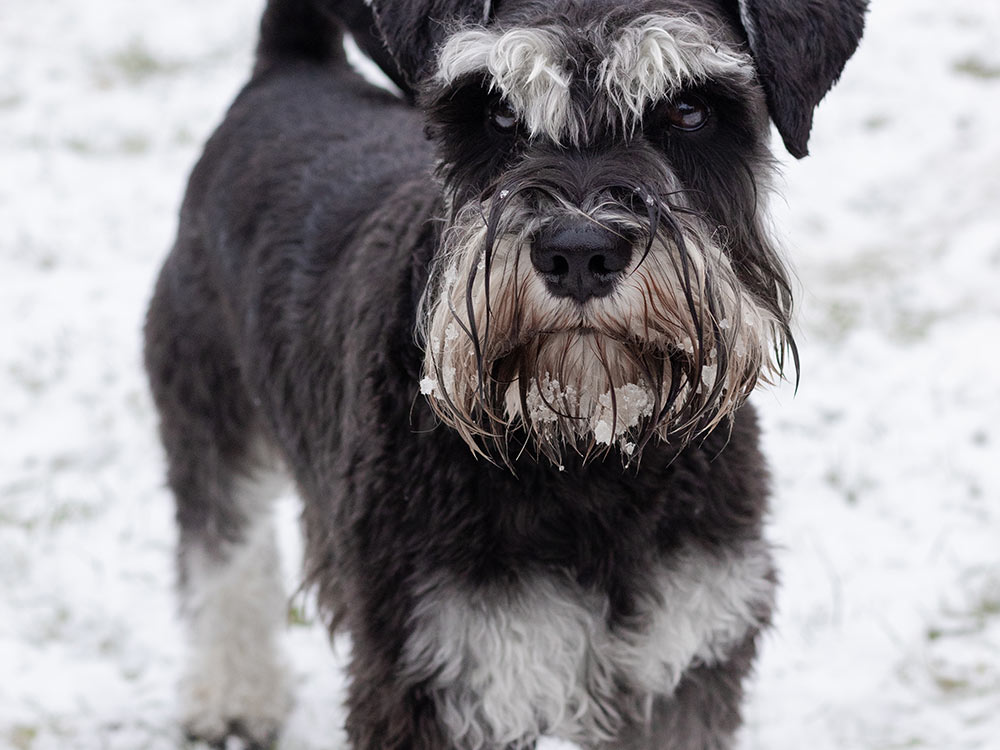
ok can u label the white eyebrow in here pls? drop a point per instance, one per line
(658, 56)
(526, 65)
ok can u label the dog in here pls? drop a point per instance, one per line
(500, 328)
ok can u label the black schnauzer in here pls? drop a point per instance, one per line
(500, 330)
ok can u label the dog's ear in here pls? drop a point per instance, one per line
(412, 29)
(800, 48)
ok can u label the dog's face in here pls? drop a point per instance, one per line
(605, 275)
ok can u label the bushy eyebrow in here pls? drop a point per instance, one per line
(656, 57)
(649, 59)
(526, 65)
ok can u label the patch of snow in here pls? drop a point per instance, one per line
(602, 432)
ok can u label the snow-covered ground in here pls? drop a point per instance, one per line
(886, 462)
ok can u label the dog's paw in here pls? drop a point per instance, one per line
(236, 735)
(233, 734)
(241, 709)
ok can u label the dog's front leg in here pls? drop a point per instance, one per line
(384, 713)
(703, 713)
(384, 716)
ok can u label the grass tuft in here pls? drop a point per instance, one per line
(977, 68)
(136, 64)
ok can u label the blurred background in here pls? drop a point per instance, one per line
(886, 509)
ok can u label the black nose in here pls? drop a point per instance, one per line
(579, 258)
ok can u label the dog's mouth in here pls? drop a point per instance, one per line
(505, 346)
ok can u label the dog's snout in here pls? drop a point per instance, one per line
(580, 258)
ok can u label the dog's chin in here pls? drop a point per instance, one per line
(583, 390)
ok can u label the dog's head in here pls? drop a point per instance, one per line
(606, 275)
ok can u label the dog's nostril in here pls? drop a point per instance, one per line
(597, 265)
(560, 266)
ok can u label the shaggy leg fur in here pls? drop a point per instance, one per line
(232, 599)
(702, 714)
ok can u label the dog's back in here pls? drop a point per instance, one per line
(338, 142)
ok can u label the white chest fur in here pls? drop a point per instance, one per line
(505, 667)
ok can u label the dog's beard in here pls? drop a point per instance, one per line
(672, 352)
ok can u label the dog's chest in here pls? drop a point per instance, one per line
(542, 659)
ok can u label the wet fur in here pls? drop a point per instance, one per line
(282, 334)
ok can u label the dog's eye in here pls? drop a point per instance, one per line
(687, 113)
(502, 117)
